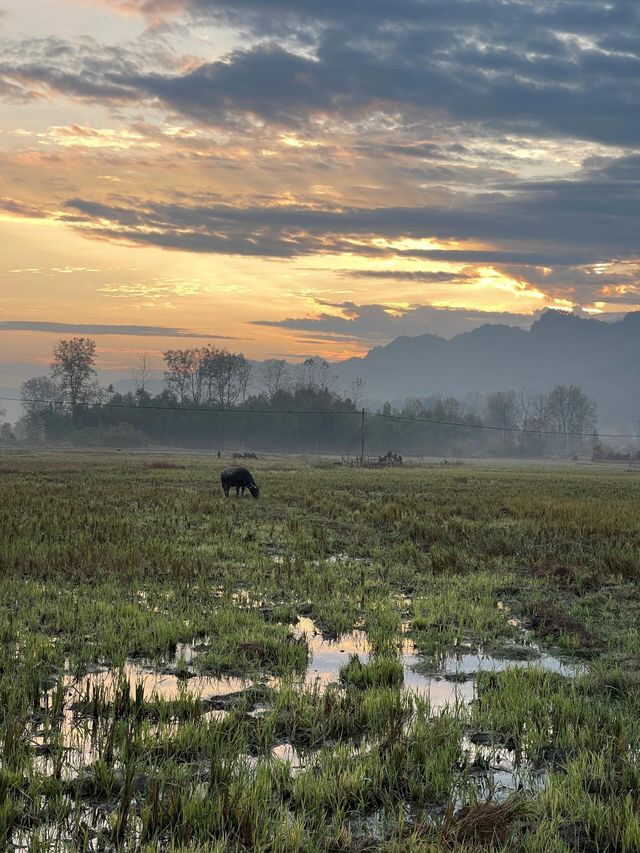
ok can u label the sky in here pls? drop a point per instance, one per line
(287, 178)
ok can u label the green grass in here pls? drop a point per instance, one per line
(109, 561)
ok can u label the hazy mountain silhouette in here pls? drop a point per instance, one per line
(601, 357)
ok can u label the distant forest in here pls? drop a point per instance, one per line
(217, 400)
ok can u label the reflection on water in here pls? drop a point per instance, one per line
(445, 682)
(287, 752)
(73, 740)
(495, 772)
(328, 654)
(471, 663)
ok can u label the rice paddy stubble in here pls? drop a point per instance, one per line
(112, 562)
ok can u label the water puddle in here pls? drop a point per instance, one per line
(465, 665)
(288, 753)
(328, 654)
(495, 772)
(331, 560)
(444, 682)
(72, 739)
(164, 685)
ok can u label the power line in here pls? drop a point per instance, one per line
(178, 409)
(500, 428)
(349, 412)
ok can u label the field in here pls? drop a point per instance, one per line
(424, 659)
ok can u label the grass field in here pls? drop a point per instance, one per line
(436, 658)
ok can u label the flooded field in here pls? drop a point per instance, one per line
(412, 660)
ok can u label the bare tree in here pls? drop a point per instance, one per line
(327, 381)
(142, 374)
(502, 411)
(316, 374)
(526, 406)
(539, 415)
(274, 375)
(525, 401)
(306, 373)
(73, 366)
(572, 413)
(226, 376)
(243, 374)
(357, 390)
(183, 374)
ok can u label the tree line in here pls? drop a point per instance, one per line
(282, 407)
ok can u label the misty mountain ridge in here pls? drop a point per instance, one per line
(603, 358)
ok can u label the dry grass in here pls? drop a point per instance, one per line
(483, 825)
(550, 621)
(165, 466)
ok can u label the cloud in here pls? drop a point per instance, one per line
(358, 127)
(588, 219)
(559, 68)
(382, 323)
(13, 207)
(102, 329)
(425, 276)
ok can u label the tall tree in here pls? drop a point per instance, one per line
(73, 366)
(274, 376)
(539, 418)
(142, 374)
(7, 435)
(39, 393)
(572, 413)
(357, 390)
(502, 411)
(526, 405)
(183, 374)
(315, 374)
(41, 401)
(227, 376)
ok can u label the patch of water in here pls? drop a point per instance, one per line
(328, 654)
(447, 682)
(468, 664)
(466, 661)
(74, 740)
(165, 685)
(331, 560)
(93, 824)
(495, 773)
(288, 753)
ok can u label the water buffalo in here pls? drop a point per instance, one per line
(240, 478)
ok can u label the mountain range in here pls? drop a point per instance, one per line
(603, 358)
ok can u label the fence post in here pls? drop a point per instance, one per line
(362, 440)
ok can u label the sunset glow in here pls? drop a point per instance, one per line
(191, 165)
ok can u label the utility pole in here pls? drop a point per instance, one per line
(362, 440)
